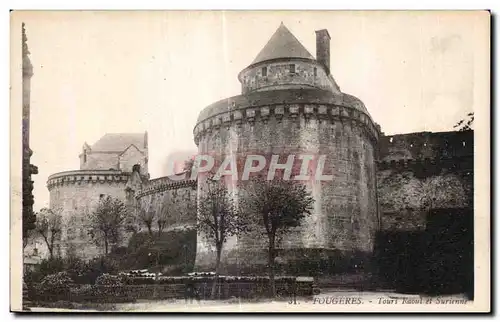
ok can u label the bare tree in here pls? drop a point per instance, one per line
(278, 206)
(158, 214)
(49, 226)
(168, 212)
(107, 222)
(146, 214)
(465, 124)
(218, 219)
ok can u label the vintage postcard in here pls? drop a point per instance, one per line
(250, 161)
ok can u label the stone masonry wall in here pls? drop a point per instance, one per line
(405, 199)
(423, 171)
(179, 195)
(101, 161)
(123, 161)
(279, 76)
(75, 198)
(345, 212)
(131, 157)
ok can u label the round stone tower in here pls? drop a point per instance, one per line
(74, 194)
(106, 169)
(290, 104)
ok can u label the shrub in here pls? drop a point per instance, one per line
(124, 278)
(109, 280)
(82, 291)
(50, 266)
(32, 277)
(58, 283)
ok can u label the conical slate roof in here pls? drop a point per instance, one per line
(282, 44)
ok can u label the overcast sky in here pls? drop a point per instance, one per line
(103, 72)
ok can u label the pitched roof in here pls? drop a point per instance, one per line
(282, 44)
(119, 142)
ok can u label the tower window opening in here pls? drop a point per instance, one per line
(85, 157)
(315, 72)
(292, 68)
(264, 71)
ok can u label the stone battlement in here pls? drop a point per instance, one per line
(328, 112)
(462, 163)
(87, 176)
(163, 184)
(290, 96)
(422, 145)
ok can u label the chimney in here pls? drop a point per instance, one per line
(323, 48)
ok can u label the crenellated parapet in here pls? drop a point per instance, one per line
(79, 177)
(293, 105)
(433, 151)
(459, 164)
(164, 184)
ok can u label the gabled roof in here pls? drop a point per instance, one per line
(119, 142)
(132, 146)
(282, 44)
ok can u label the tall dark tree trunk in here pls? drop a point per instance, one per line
(105, 245)
(217, 268)
(50, 246)
(270, 263)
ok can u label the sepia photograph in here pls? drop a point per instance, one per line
(250, 161)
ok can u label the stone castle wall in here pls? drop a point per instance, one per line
(180, 195)
(345, 212)
(423, 171)
(174, 202)
(75, 194)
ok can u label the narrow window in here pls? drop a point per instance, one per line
(292, 68)
(85, 157)
(315, 72)
(264, 71)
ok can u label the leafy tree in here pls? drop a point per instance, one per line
(218, 219)
(277, 206)
(49, 226)
(107, 222)
(465, 124)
